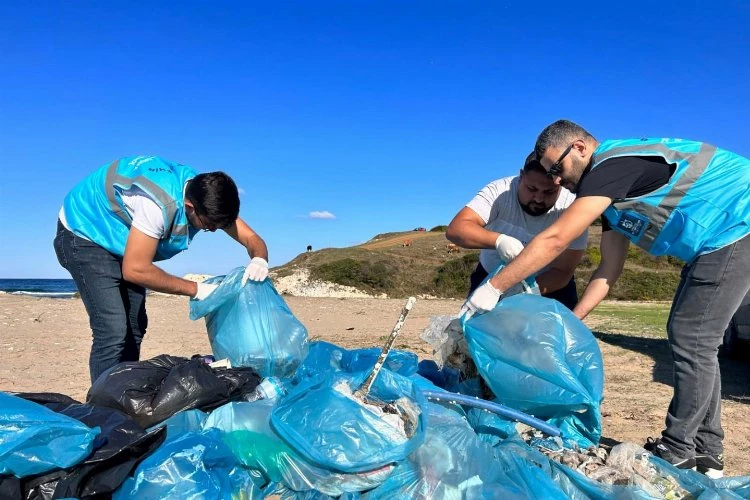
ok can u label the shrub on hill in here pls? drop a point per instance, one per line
(439, 229)
(452, 278)
(370, 276)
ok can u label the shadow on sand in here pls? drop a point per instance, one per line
(735, 370)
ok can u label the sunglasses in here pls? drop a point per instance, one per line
(556, 169)
(206, 227)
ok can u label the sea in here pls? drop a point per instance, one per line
(59, 289)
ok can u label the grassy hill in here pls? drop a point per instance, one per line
(425, 267)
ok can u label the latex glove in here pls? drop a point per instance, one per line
(482, 300)
(508, 247)
(257, 270)
(204, 290)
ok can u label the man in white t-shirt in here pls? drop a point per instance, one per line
(506, 214)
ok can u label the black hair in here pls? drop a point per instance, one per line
(215, 198)
(532, 164)
(559, 135)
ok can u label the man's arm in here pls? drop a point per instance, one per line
(560, 272)
(138, 267)
(614, 249)
(551, 242)
(245, 236)
(467, 230)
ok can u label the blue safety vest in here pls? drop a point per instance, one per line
(703, 207)
(94, 208)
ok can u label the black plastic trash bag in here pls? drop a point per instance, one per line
(119, 448)
(153, 390)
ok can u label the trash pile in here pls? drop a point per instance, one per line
(290, 418)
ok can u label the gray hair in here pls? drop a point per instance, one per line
(559, 135)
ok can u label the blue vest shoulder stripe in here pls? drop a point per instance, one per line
(94, 208)
(704, 206)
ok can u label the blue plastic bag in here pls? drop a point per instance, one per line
(252, 325)
(324, 423)
(246, 429)
(324, 357)
(453, 463)
(192, 466)
(537, 357)
(35, 439)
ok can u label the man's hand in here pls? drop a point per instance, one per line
(508, 247)
(257, 270)
(204, 290)
(482, 300)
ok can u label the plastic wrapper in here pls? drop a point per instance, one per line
(246, 429)
(153, 390)
(251, 325)
(537, 357)
(35, 439)
(333, 428)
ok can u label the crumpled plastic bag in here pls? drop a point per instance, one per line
(35, 439)
(334, 429)
(537, 357)
(246, 429)
(251, 325)
(117, 450)
(153, 390)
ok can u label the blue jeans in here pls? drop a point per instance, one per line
(116, 308)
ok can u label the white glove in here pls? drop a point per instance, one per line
(482, 300)
(257, 270)
(508, 247)
(204, 290)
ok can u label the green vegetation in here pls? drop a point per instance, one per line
(649, 319)
(452, 278)
(385, 265)
(369, 276)
(439, 229)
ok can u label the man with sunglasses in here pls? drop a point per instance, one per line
(506, 214)
(672, 197)
(125, 216)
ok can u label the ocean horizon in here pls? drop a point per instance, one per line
(39, 287)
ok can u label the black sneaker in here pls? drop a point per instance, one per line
(661, 450)
(710, 465)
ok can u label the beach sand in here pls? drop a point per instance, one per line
(45, 343)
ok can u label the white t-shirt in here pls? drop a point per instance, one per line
(146, 214)
(497, 205)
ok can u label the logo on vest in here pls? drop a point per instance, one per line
(631, 224)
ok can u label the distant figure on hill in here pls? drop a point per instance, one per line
(505, 215)
(122, 218)
(676, 197)
(309, 248)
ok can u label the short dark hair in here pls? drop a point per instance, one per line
(532, 164)
(559, 135)
(215, 198)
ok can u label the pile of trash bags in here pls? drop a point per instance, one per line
(289, 420)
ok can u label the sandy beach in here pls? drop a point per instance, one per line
(45, 346)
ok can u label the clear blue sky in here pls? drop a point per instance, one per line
(388, 115)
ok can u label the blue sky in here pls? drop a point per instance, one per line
(387, 115)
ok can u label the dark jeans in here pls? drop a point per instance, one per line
(567, 295)
(710, 291)
(116, 308)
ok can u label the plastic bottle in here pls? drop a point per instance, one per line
(269, 388)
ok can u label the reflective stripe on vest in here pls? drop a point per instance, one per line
(113, 179)
(659, 214)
